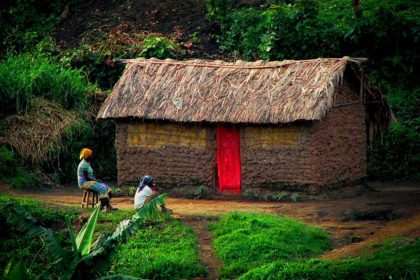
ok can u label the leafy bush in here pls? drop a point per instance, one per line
(251, 194)
(398, 154)
(162, 251)
(159, 47)
(24, 77)
(201, 192)
(23, 178)
(97, 63)
(248, 240)
(12, 173)
(131, 191)
(395, 260)
(281, 196)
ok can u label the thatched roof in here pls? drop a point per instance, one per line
(240, 92)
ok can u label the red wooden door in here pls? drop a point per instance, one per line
(228, 159)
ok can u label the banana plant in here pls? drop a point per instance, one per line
(86, 258)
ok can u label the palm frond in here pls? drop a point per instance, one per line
(72, 234)
(85, 236)
(21, 220)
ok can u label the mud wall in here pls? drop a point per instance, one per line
(338, 146)
(175, 154)
(327, 153)
(281, 164)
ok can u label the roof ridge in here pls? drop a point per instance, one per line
(233, 64)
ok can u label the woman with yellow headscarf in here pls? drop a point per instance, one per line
(87, 181)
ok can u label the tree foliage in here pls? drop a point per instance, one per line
(386, 32)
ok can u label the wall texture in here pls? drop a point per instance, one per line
(328, 153)
(338, 146)
(275, 166)
(188, 158)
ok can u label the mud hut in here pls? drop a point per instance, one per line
(233, 126)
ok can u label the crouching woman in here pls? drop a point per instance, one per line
(87, 181)
(145, 193)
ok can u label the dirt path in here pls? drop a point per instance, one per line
(373, 216)
(205, 244)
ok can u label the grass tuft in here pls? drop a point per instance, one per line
(247, 240)
(165, 250)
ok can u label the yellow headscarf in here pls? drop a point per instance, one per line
(85, 153)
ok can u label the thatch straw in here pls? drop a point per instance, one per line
(240, 92)
(39, 132)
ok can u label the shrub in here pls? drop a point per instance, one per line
(247, 240)
(99, 136)
(132, 191)
(398, 154)
(201, 192)
(159, 47)
(24, 77)
(294, 197)
(23, 178)
(281, 196)
(96, 63)
(251, 194)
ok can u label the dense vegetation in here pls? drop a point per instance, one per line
(47, 101)
(244, 241)
(31, 251)
(56, 253)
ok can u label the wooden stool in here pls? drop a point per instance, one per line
(86, 197)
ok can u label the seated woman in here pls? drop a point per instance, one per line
(145, 193)
(87, 181)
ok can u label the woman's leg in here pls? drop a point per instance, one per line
(104, 194)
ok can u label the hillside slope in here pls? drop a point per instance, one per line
(181, 20)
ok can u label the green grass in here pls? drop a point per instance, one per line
(394, 260)
(244, 241)
(24, 77)
(107, 222)
(163, 250)
(45, 213)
